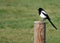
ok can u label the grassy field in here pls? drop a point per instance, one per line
(17, 20)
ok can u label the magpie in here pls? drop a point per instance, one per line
(44, 16)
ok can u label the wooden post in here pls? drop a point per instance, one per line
(39, 32)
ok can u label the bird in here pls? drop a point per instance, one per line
(43, 14)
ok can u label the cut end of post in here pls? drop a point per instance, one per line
(39, 21)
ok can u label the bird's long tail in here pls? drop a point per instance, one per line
(52, 24)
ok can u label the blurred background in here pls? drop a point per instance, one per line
(17, 20)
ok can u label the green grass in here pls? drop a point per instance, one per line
(17, 20)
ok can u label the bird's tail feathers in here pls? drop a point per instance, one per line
(52, 24)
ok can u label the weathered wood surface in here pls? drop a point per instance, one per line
(39, 32)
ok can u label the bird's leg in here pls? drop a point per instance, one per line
(43, 19)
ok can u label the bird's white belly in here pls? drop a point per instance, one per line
(42, 15)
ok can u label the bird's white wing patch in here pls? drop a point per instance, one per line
(44, 12)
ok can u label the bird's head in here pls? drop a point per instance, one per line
(39, 10)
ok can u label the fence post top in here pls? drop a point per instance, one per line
(39, 21)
